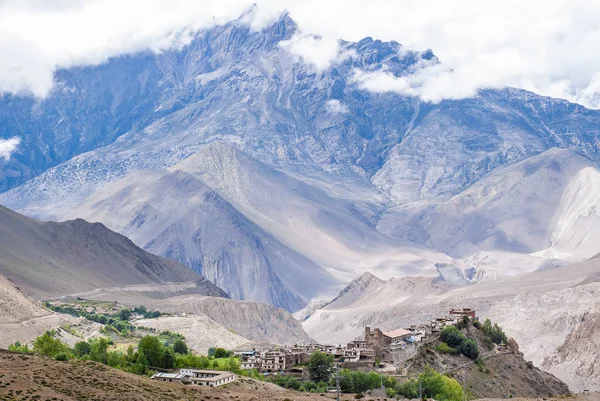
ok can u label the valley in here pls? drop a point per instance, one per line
(226, 193)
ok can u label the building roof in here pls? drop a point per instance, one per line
(209, 372)
(161, 375)
(397, 333)
(214, 378)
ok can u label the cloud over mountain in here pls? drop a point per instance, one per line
(8, 146)
(545, 48)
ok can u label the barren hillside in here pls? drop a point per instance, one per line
(47, 259)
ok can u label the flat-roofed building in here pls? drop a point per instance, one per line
(211, 378)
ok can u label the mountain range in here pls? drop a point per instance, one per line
(281, 183)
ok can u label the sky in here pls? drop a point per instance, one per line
(549, 47)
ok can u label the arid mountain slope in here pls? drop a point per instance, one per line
(502, 372)
(47, 259)
(14, 306)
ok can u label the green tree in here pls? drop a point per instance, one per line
(49, 346)
(221, 353)
(98, 352)
(319, 366)
(61, 356)
(233, 365)
(452, 336)
(439, 387)
(488, 328)
(469, 349)
(180, 347)
(168, 361)
(141, 310)
(498, 335)
(124, 314)
(153, 351)
(408, 389)
(82, 348)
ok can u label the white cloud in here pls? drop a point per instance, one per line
(321, 52)
(336, 107)
(547, 47)
(8, 146)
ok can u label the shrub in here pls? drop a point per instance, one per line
(17, 347)
(446, 349)
(469, 349)
(463, 323)
(82, 348)
(180, 347)
(452, 336)
(61, 356)
(49, 346)
(221, 353)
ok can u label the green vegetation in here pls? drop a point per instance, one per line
(47, 345)
(221, 353)
(455, 339)
(117, 322)
(180, 347)
(319, 366)
(494, 332)
(152, 353)
(434, 384)
(444, 348)
(17, 347)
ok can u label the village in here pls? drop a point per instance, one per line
(384, 350)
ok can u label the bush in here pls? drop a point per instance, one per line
(469, 349)
(82, 348)
(463, 323)
(494, 332)
(221, 353)
(444, 348)
(17, 347)
(180, 347)
(61, 356)
(452, 336)
(49, 346)
(439, 387)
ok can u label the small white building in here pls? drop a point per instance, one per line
(211, 378)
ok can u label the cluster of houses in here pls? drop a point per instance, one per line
(376, 346)
(210, 378)
(451, 319)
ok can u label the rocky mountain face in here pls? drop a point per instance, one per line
(48, 259)
(281, 182)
